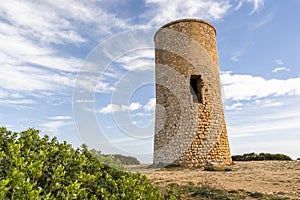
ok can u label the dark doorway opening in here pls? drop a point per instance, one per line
(196, 88)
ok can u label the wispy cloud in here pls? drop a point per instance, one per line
(39, 21)
(167, 10)
(237, 54)
(235, 106)
(59, 22)
(17, 101)
(277, 69)
(141, 60)
(55, 123)
(32, 40)
(54, 126)
(266, 126)
(263, 21)
(104, 87)
(239, 5)
(60, 117)
(134, 106)
(268, 103)
(150, 106)
(273, 120)
(279, 62)
(235, 58)
(111, 108)
(280, 68)
(257, 5)
(29, 79)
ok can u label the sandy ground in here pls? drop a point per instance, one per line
(268, 177)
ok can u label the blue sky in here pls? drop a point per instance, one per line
(46, 47)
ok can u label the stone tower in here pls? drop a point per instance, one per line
(190, 126)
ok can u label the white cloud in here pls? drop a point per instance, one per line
(277, 69)
(272, 104)
(263, 21)
(60, 117)
(279, 62)
(104, 87)
(150, 106)
(138, 60)
(139, 64)
(29, 66)
(268, 103)
(134, 106)
(265, 126)
(85, 101)
(90, 14)
(239, 5)
(290, 112)
(246, 87)
(54, 126)
(59, 22)
(257, 5)
(235, 106)
(55, 123)
(235, 58)
(164, 11)
(3, 94)
(168, 10)
(29, 33)
(40, 21)
(142, 114)
(17, 101)
(30, 79)
(111, 108)
(16, 49)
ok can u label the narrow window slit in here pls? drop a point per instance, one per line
(196, 88)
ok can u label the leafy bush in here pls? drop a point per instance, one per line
(260, 157)
(34, 167)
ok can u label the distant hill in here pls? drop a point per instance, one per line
(125, 160)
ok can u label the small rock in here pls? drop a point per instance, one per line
(216, 165)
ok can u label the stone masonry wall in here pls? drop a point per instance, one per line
(189, 124)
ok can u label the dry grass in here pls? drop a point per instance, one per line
(267, 178)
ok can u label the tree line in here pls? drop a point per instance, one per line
(260, 157)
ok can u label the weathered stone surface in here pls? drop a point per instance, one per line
(191, 129)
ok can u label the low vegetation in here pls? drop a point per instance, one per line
(125, 160)
(260, 157)
(206, 192)
(34, 167)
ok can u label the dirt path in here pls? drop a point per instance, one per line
(268, 177)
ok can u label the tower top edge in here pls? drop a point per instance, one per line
(185, 20)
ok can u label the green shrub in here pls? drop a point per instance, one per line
(34, 167)
(260, 157)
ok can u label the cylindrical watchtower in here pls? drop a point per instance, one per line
(189, 121)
